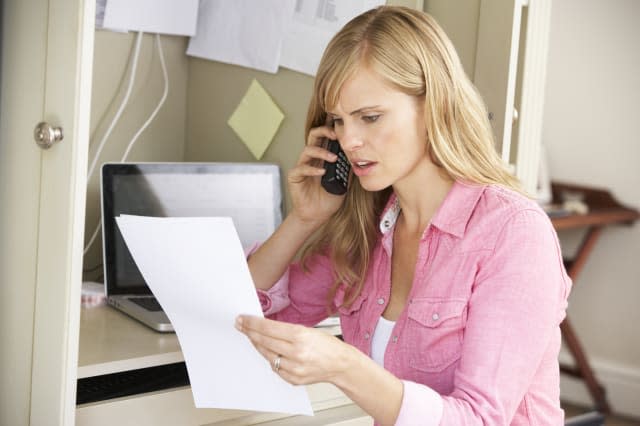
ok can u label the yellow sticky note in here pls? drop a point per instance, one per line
(256, 119)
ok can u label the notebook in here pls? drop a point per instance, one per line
(249, 193)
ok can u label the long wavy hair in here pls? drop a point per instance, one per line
(409, 50)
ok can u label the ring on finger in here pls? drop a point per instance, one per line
(276, 363)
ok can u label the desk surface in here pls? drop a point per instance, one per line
(111, 342)
(604, 209)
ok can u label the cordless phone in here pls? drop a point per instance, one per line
(336, 176)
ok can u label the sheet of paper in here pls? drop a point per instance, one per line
(177, 17)
(312, 25)
(256, 119)
(248, 33)
(197, 270)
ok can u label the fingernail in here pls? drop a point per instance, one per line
(238, 323)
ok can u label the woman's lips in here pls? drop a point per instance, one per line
(362, 168)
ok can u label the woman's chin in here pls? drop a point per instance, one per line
(371, 185)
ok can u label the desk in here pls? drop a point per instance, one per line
(111, 342)
(603, 210)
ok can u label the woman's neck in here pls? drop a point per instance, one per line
(421, 194)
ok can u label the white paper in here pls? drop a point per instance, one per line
(313, 24)
(248, 33)
(177, 17)
(197, 270)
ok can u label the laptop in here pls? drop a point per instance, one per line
(249, 193)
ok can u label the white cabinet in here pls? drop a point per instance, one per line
(503, 46)
(46, 76)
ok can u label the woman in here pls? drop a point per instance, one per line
(448, 281)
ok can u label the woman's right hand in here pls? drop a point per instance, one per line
(311, 202)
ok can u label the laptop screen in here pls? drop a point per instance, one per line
(249, 193)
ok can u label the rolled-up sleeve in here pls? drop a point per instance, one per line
(277, 297)
(419, 402)
(300, 295)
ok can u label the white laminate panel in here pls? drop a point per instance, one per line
(165, 408)
(110, 341)
(176, 407)
(345, 415)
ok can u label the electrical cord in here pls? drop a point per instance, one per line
(165, 76)
(123, 104)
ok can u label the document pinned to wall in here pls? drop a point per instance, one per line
(197, 270)
(313, 24)
(248, 33)
(175, 17)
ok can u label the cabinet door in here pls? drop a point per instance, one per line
(46, 76)
(503, 45)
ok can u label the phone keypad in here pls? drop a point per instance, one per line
(336, 178)
(342, 169)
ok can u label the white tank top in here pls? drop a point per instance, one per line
(380, 339)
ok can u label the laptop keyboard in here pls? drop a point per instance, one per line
(149, 303)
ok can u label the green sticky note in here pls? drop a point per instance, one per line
(256, 119)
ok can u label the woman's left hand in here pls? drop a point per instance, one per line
(306, 355)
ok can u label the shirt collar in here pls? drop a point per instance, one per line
(452, 216)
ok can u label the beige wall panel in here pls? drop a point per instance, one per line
(163, 140)
(215, 90)
(460, 22)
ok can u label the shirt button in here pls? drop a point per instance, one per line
(435, 317)
(381, 301)
(366, 336)
(395, 339)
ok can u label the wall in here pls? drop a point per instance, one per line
(592, 134)
(461, 25)
(214, 91)
(163, 140)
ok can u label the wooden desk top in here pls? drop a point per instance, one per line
(603, 208)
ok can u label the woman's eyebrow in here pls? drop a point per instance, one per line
(357, 111)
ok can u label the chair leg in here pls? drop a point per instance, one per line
(583, 369)
(588, 419)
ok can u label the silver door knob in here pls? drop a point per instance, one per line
(46, 135)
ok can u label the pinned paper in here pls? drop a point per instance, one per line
(312, 25)
(176, 17)
(248, 33)
(256, 119)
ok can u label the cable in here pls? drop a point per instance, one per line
(106, 135)
(165, 76)
(155, 111)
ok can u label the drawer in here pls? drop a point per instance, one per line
(175, 407)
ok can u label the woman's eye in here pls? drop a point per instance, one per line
(336, 122)
(370, 118)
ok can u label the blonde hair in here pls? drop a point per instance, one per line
(409, 50)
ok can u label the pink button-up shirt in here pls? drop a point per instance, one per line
(478, 340)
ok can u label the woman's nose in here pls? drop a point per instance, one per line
(350, 140)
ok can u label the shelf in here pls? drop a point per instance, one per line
(111, 342)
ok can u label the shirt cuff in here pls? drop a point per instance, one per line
(419, 402)
(277, 297)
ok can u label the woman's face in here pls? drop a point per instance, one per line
(380, 129)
